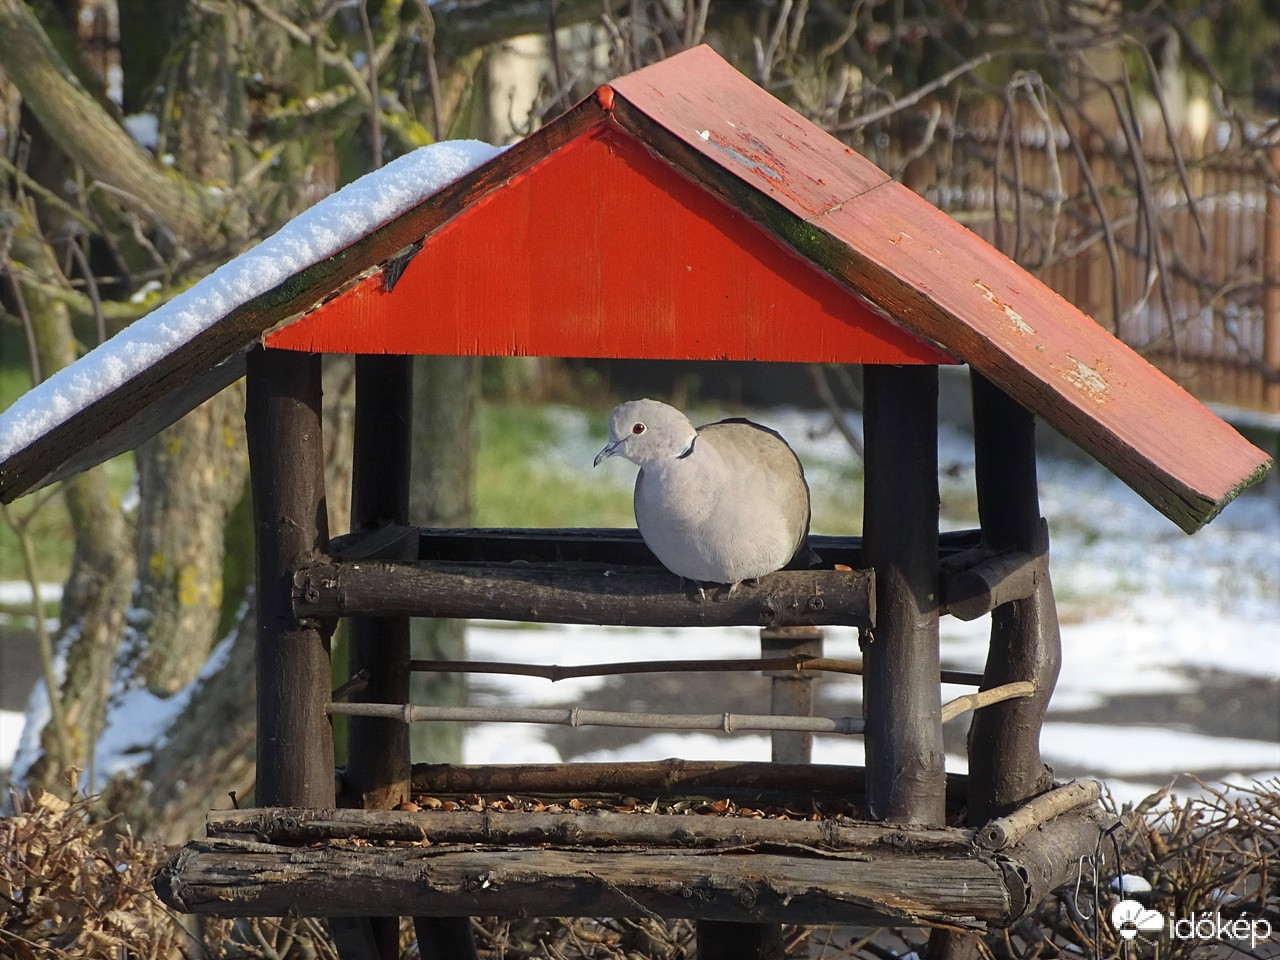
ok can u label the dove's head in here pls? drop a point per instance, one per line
(646, 431)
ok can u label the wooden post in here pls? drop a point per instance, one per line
(791, 691)
(1005, 767)
(902, 700)
(377, 775)
(286, 458)
(377, 772)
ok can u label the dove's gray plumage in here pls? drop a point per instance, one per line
(721, 503)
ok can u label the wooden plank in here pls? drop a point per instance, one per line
(286, 457)
(238, 879)
(901, 698)
(580, 593)
(604, 250)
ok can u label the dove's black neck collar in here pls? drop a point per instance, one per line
(689, 449)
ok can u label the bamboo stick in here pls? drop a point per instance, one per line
(577, 717)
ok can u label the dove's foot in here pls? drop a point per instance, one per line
(693, 585)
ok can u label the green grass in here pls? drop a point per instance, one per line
(517, 485)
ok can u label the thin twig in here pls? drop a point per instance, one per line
(555, 672)
(915, 96)
(44, 642)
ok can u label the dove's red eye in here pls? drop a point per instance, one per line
(637, 428)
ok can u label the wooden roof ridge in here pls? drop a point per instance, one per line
(839, 212)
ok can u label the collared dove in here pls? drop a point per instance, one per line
(721, 503)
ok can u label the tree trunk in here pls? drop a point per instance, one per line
(190, 478)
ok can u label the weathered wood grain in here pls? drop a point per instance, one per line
(249, 878)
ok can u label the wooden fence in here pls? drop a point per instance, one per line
(1180, 259)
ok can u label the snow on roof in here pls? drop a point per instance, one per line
(322, 230)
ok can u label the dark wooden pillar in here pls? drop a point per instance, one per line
(377, 775)
(902, 700)
(1005, 766)
(377, 772)
(286, 458)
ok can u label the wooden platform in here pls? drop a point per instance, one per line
(479, 860)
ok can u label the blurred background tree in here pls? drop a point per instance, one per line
(145, 143)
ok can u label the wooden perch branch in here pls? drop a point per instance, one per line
(592, 828)
(984, 698)
(577, 717)
(555, 672)
(579, 593)
(1006, 831)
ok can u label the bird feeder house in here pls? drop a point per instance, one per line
(680, 212)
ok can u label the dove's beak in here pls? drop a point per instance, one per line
(610, 449)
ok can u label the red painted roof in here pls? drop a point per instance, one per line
(683, 211)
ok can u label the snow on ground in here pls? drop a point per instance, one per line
(324, 229)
